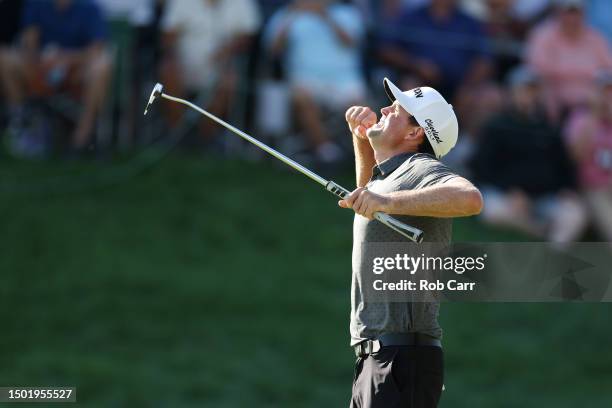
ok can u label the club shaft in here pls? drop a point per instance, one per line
(408, 231)
(314, 176)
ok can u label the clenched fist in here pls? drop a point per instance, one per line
(359, 119)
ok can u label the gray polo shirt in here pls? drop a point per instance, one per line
(407, 171)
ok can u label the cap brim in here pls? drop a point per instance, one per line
(391, 90)
(388, 84)
(409, 104)
(395, 94)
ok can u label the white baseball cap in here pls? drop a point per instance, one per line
(432, 112)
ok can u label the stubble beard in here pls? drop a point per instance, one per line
(376, 137)
(374, 134)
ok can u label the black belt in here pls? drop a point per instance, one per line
(368, 347)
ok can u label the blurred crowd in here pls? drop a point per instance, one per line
(531, 82)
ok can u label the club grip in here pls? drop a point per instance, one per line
(413, 234)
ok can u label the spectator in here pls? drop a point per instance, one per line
(567, 54)
(589, 136)
(524, 170)
(201, 43)
(506, 32)
(134, 29)
(321, 41)
(444, 48)
(438, 43)
(63, 46)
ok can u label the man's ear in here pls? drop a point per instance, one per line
(417, 134)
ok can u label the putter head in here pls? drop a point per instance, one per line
(156, 93)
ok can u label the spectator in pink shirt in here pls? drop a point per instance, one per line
(567, 54)
(589, 137)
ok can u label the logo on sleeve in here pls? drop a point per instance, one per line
(431, 131)
(418, 92)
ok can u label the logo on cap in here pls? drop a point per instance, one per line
(431, 130)
(418, 92)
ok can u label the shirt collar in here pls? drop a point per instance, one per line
(390, 165)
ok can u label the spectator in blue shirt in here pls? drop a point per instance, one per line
(439, 44)
(62, 49)
(320, 42)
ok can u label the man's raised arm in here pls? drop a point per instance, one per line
(359, 119)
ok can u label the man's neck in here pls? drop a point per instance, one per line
(381, 156)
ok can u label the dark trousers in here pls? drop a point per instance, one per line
(399, 376)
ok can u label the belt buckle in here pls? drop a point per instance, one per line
(358, 350)
(361, 349)
(364, 349)
(368, 347)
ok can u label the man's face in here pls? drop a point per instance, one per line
(392, 127)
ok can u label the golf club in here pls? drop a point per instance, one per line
(407, 231)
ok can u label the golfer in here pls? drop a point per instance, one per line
(400, 360)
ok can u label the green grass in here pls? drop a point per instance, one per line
(226, 284)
